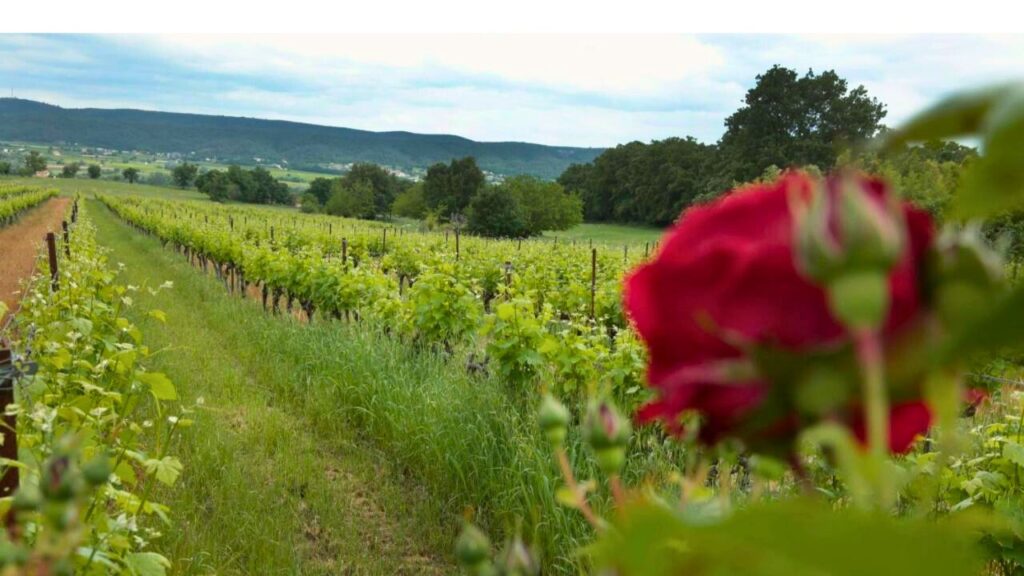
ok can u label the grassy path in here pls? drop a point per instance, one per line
(270, 486)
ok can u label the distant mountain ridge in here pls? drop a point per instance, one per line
(240, 140)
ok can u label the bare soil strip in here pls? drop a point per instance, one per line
(20, 244)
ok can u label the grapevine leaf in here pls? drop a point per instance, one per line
(160, 385)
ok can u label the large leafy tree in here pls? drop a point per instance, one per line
(321, 188)
(410, 203)
(544, 205)
(255, 186)
(385, 186)
(94, 171)
(351, 200)
(792, 120)
(450, 187)
(184, 174)
(130, 174)
(70, 170)
(34, 162)
(216, 185)
(643, 183)
(493, 212)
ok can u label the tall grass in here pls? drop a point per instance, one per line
(468, 440)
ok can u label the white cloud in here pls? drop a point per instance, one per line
(593, 63)
(581, 90)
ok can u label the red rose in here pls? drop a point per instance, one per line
(726, 280)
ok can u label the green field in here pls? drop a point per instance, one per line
(603, 233)
(609, 233)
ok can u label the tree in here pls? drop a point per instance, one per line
(184, 174)
(70, 170)
(94, 171)
(309, 203)
(216, 185)
(410, 204)
(255, 186)
(792, 121)
(130, 174)
(34, 163)
(158, 178)
(321, 188)
(450, 187)
(385, 186)
(644, 183)
(269, 190)
(352, 201)
(544, 205)
(495, 213)
(5, 168)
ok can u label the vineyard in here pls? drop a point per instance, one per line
(95, 429)
(537, 310)
(14, 200)
(807, 375)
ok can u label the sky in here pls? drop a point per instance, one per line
(569, 89)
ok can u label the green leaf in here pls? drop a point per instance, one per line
(958, 115)
(991, 330)
(166, 469)
(147, 564)
(794, 538)
(1014, 453)
(160, 385)
(159, 315)
(995, 182)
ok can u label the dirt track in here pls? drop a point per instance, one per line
(20, 243)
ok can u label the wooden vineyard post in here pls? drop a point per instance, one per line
(330, 228)
(67, 239)
(51, 251)
(593, 279)
(271, 234)
(457, 244)
(344, 252)
(231, 222)
(384, 243)
(625, 253)
(647, 249)
(10, 480)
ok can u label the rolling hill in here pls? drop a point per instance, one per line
(240, 140)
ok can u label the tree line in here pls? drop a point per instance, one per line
(786, 120)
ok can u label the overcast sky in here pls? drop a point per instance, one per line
(554, 89)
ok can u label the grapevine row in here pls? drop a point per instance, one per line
(16, 199)
(537, 310)
(95, 429)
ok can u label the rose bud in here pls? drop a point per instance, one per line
(97, 471)
(27, 498)
(607, 433)
(848, 235)
(473, 548)
(553, 418)
(58, 483)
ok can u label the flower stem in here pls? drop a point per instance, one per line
(876, 405)
(618, 492)
(570, 482)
